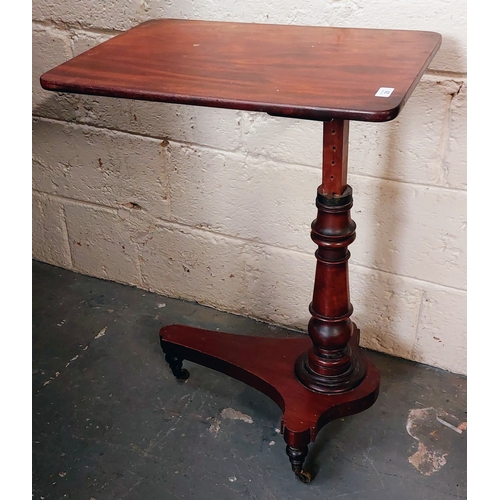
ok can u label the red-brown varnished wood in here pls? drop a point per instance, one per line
(309, 72)
(319, 73)
(335, 153)
(267, 364)
(330, 365)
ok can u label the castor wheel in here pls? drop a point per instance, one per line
(175, 364)
(181, 374)
(297, 457)
(304, 476)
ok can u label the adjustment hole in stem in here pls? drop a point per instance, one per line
(334, 148)
(331, 177)
(333, 131)
(333, 162)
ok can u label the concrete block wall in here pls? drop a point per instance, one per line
(215, 206)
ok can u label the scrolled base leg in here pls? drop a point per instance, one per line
(175, 363)
(253, 360)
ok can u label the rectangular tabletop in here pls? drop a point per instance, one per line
(311, 72)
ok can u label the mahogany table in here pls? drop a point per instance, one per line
(318, 73)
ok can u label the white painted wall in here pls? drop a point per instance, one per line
(111, 196)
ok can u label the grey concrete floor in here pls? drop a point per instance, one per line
(111, 422)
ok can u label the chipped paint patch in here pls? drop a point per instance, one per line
(101, 333)
(431, 428)
(427, 461)
(51, 378)
(71, 361)
(74, 358)
(215, 427)
(231, 414)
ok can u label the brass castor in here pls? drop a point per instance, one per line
(304, 476)
(297, 457)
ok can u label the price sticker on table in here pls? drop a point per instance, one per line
(384, 92)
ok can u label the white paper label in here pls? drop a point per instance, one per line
(384, 92)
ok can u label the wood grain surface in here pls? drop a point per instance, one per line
(311, 72)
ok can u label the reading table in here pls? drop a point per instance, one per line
(333, 75)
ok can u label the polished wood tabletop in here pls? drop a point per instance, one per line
(309, 72)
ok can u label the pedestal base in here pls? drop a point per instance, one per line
(267, 364)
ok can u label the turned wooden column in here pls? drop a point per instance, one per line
(330, 365)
